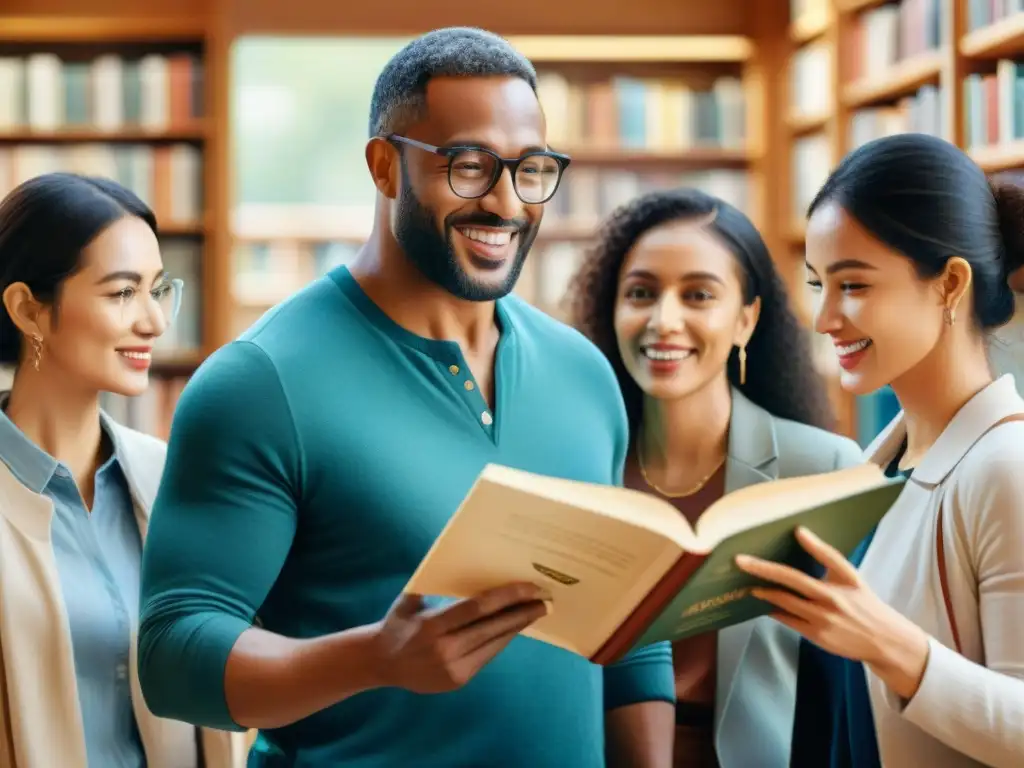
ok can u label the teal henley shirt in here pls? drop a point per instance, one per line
(311, 465)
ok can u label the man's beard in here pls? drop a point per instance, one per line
(432, 254)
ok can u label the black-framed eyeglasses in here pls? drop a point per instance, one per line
(474, 171)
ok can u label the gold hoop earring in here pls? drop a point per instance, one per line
(949, 315)
(37, 350)
(743, 364)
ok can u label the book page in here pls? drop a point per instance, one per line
(756, 505)
(718, 593)
(594, 567)
(625, 504)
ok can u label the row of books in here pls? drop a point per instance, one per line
(994, 106)
(168, 177)
(183, 259)
(810, 80)
(587, 195)
(642, 113)
(921, 112)
(156, 92)
(887, 34)
(265, 273)
(800, 9)
(810, 163)
(982, 13)
(267, 270)
(547, 274)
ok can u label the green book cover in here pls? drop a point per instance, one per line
(717, 595)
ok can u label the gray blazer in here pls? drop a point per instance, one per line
(755, 695)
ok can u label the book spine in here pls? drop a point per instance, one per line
(647, 610)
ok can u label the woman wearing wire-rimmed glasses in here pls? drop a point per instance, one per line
(85, 296)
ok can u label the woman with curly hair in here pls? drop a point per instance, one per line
(682, 297)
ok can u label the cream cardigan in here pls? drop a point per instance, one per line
(40, 719)
(969, 709)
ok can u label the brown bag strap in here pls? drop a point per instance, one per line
(940, 548)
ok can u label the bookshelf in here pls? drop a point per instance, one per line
(130, 99)
(860, 69)
(634, 112)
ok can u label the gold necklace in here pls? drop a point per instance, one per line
(695, 489)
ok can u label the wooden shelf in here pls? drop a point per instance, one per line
(92, 136)
(809, 27)
(856, 6)
(801, 125)
(562, 231)
(904, 78)
(1004, 39)
(300, 224)
(568, 231)
(797, 233)
(183, 230)
(694, 158)
(173, 366)
(703, 49)
(948, 68)
(44, 30)
(834, 127)
(132, 32)
(1003, 157)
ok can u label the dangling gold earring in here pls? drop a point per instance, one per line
(743, 365)
(949, 315)
(37, 350)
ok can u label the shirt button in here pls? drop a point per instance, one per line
(453, 369)
(485, 417)
(469, 386)
(122, 671)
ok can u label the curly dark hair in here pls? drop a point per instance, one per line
(781, 378)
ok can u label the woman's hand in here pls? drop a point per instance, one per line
(842, 615)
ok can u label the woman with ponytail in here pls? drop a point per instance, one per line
(919, 652)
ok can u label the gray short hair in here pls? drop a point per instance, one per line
(399, 95)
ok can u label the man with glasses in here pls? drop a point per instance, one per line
(315, 460)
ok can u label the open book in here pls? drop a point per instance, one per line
(624, 568)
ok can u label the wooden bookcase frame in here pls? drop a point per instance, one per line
(960, 54)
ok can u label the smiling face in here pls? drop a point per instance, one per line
(101, 331)
(679, 310)
(474, 249)
(882, 317)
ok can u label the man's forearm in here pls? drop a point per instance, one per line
(640, 735)
(271, 681)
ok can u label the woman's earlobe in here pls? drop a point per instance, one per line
(22, 308)
(955, 283)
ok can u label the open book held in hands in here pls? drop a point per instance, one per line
(624, 568)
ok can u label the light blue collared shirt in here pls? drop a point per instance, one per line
(99, 558)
